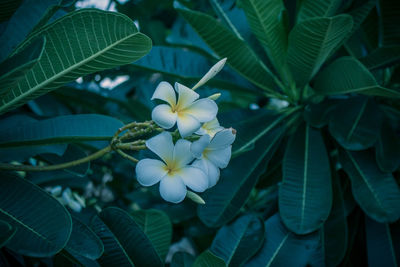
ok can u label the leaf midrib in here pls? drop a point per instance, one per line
(277, 250)
(357, 121)
(62, 73)
(305, 173)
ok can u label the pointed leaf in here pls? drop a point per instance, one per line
(74, 47)
(6, 232)
(268, 22)
(305, 196)
(355, 123)
(226, 44)
(226, 198)
(208, 259)
(62, 129)
(376, 192)
(238, 241)
(347, 75)
(284, 248)
(157, 227)
(43, 226)
(380, 247)
(312, 41)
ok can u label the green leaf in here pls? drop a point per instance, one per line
(318, 115)
(7, 8)
(62, 129)
(312, 41)
(268, 21)
(382, 57)
(6, 232)
(360, 13)
(182, 259)
(208, 259)
(380, 246)
(347, 75)
(309, 9)
(239, 241)
(376, 192)
(15, 67)
(226, 44)
(83, 241)
(355, 123)
(29, 14)
(157, 227)
(124, 240)
(387, 148)
(305, 196)
(284, 248)
(226, 198)
(43, 226)
(74, 47)
(390, 14)
(190, 67)
(335, 229)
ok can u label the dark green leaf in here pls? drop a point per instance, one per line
(312, 41)
(208, 259)
(318, 115)
(355, 123)
(7, 8)
(347, 75)
(284, 248)
(157, 227)
(305, 196)
(225, 199)
(360, 13)
(6, 232)
(74, 48)
(382, 57)
(43, 226)
(239, 241)
(63, 129)
(226, 44)
(376, 192)
(268, 22)
(124, 237)
(83, 241)
(182, 259)
(390, 12)
(309, 9)
(380, 246)
(15, 67)
(388, 149)
(335, 228)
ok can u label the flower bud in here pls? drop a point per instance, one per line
(211, 73)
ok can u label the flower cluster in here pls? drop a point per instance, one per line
(196, 164)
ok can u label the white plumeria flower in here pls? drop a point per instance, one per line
(187, 112)
(214, 153)
(173, 172)
(210, 128)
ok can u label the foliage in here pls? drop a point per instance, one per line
(311, 88)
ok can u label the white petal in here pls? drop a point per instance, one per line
(220, 157)
(198, 146)
(164, 91)
(163, 116)
(162, 145)
(150, 171)
(187, 124)
(182, 155)
(194, 178)
(222, 139)
(172, 189)
(210, 169)
(204, 110)
(186, 96)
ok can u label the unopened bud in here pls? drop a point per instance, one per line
(211, 73)
(214, 96)
(195, 197)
